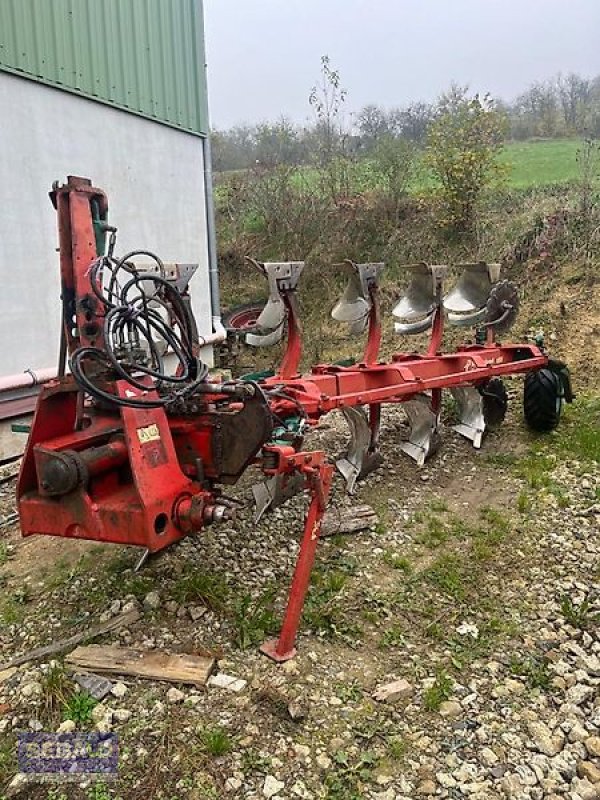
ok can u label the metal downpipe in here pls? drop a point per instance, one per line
(219, 333)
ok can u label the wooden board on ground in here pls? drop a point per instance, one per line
(348, 520)
(151, 664)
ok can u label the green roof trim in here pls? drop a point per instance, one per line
(144, 56)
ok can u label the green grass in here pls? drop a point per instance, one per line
(578, 435)
(438, 692)
(216, 741)
(533, 164)
(200, 587)
(254, 618)
(541, 163)
(529, 164)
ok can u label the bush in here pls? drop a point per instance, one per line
(462, 153)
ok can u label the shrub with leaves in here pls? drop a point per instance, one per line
(462, 154)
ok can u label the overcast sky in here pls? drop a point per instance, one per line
(264, 55)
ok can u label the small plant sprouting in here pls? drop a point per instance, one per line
(79, 707)
(348, 692)
(201, 587)
(397, 747)
(533, 668)
(254, 618)
(398, 562)
(216, 741)
(440, 690)
(579, 616)
(392, 637)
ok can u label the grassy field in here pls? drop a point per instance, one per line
(539, 163)
(529, 164)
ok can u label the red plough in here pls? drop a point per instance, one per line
(134, 443)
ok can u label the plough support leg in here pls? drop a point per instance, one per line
(318, 479)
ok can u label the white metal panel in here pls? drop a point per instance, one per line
(154, 179)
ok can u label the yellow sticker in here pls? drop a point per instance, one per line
(148, 434)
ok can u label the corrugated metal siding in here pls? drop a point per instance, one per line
(145, 56)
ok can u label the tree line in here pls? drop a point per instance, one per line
(567, 105)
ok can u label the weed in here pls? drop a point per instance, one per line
(11, 612)
(579, 616)
(344, 781)
(435, 534)
(79, 706)
(137, 585)
(216, 741)
(435, 631)
(322, 611)
(523, 503)
(254, 619)
(562, 498)
(392, 637)
(252, 761)
(22, 595)
(533, 668)
(56, 794)
(99, 791)
(397, 747)
(535, 470)
(447, 574)
(501, 459)
(56, 688)
(3, 553)
(579, 433)
(440, 690)
(398, 562)
(348, 692)
(342, 562)
(487, 537)
(438, 505)
(204, 587)
(8, 749)
(498, 525)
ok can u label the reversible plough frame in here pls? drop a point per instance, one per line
(121, 452)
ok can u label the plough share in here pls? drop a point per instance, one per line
(134, 443)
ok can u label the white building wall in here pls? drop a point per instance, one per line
(153, 176)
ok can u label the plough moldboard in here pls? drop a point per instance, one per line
(135, 443)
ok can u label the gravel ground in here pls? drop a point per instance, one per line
(451, 652)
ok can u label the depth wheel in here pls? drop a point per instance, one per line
(242, 319)
(495, 403)
(542, 400)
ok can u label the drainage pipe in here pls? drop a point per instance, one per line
(219, 333)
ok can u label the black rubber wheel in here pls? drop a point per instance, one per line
(495, 403)
(542, 399)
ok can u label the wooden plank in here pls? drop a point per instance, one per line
(150, 664)
(72, 641)
(348, 520)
